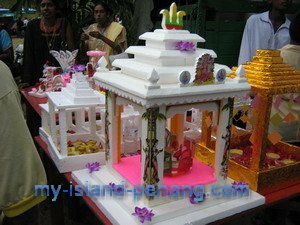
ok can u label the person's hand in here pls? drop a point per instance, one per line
(84, 37)
(95, 34)
(23, 86)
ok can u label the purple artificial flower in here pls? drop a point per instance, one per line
(185, 46)
(241, 185)
(112, 185)
(194, 199)
(77, 68)
(143, 214)
(95, 166)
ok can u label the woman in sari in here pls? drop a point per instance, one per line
(104, 35)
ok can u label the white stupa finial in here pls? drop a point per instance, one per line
(153, 78)
(240, 75)
(240, 71)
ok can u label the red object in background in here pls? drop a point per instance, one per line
(177, 154)
(173, 27)
(90, 69)
(57, 71)
(102, 89)
(185, 162)
(71, 132)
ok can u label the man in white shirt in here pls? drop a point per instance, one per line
(291, 52)
(268, 30)
(291, 55)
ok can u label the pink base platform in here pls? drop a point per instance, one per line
(130, 169)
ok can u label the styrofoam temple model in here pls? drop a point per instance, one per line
(76, 107)
(159, 82)
(150, 83)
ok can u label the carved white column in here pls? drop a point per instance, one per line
(111, 122)
(160, 135)
(223, 139)
(79, 118)
(53, 129)
(62, 115)
(69, 119)
(92, 120)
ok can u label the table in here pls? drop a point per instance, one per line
(98, 213)
(271, 198)
(33, 101)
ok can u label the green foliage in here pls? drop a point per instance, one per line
(7, 3)
(225, 107)
(228, 105)
(159, 116)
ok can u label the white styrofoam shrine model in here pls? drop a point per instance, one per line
(76, 107)
(158, 83)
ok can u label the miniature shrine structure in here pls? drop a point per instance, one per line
(70, 116)
(166, 78)
(269, 78)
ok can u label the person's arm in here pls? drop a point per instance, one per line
(69, 37)
(245, 50)
(28, 64)
(84, 47)
(122, 40)
(114, 45)
(7, 55)
(16, 146)
(7, 49)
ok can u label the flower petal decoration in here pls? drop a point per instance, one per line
(113, 187)
(95, 166)
(95, 53)
(241, 185)
(77, 68)
(143, 214)
(185, 46)
(196, 199)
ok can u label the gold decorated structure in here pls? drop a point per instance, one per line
(268, 77)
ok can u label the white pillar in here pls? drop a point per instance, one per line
(160, 135)
(69, 119)
(45, 124)
(144, 127)
(153, 159)
(92, 120)
(223, 139)
(111, 152)
(102, 124)
(62, 116)
(53, 129)
(79, 118)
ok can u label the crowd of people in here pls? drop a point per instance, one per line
(268, 30)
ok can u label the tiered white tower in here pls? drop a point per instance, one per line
(160, 62)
